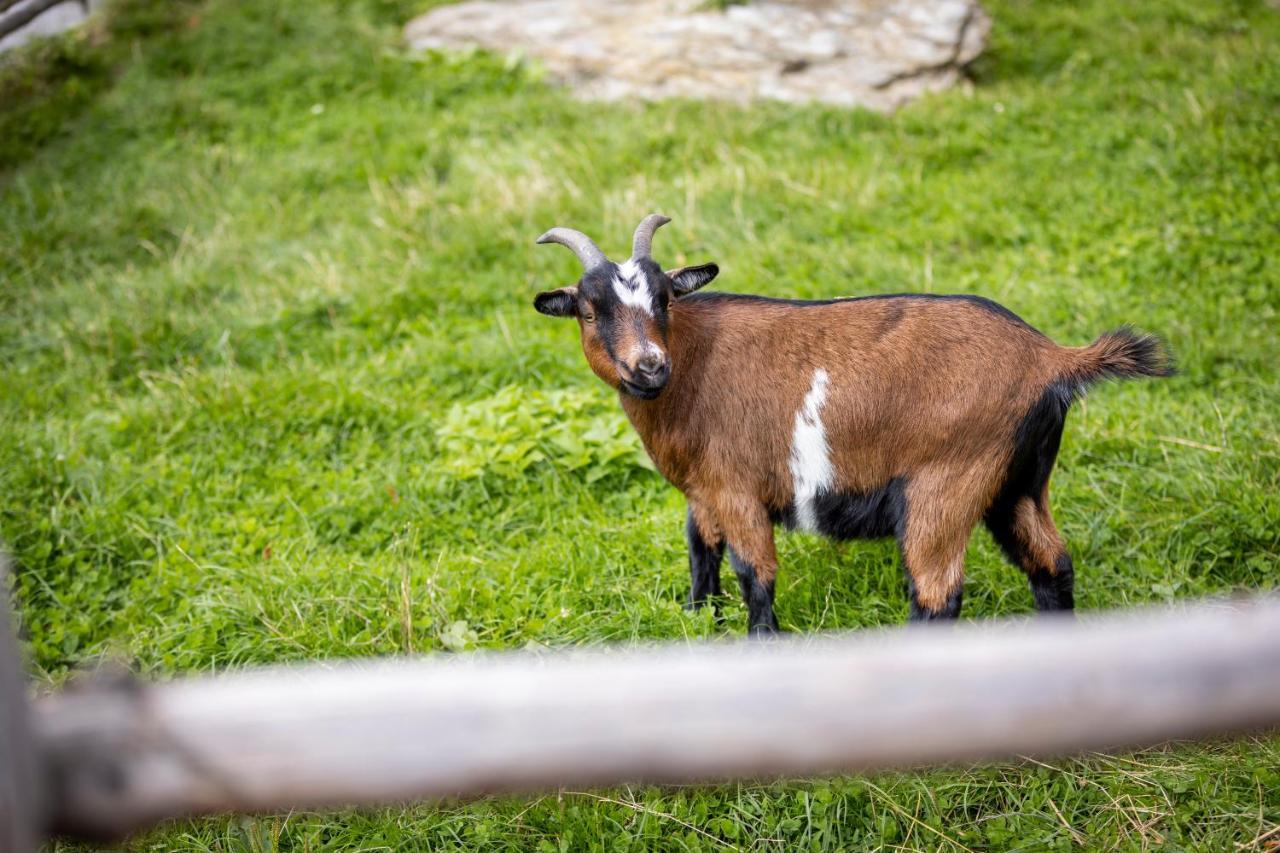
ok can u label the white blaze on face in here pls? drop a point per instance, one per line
(811, 469)
(631, 286)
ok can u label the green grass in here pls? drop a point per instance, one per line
(273, 389)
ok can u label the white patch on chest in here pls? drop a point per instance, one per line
(631, 286)
(811, 470)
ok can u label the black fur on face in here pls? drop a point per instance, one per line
(623, 311)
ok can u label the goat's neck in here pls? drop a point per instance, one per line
(668, 425)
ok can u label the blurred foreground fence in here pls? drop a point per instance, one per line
(111, 756)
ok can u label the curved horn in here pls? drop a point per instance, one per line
(586, 250)
(643, 240)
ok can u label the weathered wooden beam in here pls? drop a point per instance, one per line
(124, 755)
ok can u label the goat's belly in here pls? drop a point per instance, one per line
(849, 515)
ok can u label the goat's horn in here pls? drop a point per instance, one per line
(587, 251)
(643, 241)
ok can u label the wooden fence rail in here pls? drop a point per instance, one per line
(118, 754)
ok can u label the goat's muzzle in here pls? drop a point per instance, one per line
(647, 377)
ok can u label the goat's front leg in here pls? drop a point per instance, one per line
(749, 532)
(706, 552)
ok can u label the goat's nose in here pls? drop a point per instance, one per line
(650, 363)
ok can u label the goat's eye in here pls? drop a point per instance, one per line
(588, 317)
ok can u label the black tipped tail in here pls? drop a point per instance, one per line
(1121, 354)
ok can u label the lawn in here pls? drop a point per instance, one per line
(273, 388)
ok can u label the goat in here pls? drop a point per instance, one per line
(909, 415)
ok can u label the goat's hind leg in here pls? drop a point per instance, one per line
(1019, 517)
(1031, 541)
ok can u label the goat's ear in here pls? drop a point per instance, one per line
(689, 279)
(557, 303)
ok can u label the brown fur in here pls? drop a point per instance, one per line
(635, 329)
(939, 412)
(1039, 537)
(928, 389)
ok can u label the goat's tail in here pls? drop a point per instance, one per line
(1120, 354)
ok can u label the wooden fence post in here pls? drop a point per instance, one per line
(18, 802)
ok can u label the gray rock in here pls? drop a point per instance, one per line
(871, 53)
(48, 19)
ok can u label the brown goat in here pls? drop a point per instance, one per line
(914, 416)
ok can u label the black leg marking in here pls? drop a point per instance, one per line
(1052, 590)
(920, 613)
(1036, 443)
(704, 565)
(758, 597)
(1055, 591)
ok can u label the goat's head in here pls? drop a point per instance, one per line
(623, 309)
